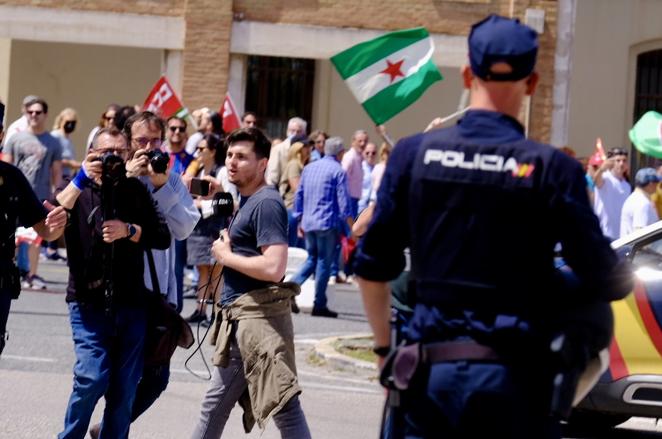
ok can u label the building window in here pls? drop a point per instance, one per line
(278, 89)
(648, 96)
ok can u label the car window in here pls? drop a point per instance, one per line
(648, 255)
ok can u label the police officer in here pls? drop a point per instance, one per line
(19, 206)
(483, 209)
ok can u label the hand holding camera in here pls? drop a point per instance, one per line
(149, 162)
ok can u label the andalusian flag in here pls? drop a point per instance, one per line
(389, 73)
(646, 135)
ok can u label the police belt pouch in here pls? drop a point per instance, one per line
(402, 365)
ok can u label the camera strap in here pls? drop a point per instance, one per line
(152, 272)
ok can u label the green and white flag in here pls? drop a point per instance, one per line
(389, 73)
(646, 134)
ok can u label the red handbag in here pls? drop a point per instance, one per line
(348, 246)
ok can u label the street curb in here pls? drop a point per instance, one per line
(325, 350)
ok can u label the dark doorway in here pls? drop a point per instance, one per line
(278, 89)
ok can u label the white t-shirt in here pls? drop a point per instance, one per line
(608, 203)
(638, 212)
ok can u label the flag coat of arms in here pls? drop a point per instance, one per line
(389, 73)
(163, 101)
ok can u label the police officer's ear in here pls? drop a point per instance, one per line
(467, 76)
(532, 83)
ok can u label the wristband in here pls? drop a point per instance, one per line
(81, 179)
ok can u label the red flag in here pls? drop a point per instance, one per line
(230, 118)
(163, 101)
(599, 155)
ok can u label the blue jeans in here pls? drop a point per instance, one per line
(293, 239)
(320, 245)
(153, 382)
(109, 362)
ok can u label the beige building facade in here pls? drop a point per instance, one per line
(89, 53)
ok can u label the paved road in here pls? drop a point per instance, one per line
(35, 378)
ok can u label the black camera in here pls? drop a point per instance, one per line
(159, 160)
(223, 204)
(112, 167)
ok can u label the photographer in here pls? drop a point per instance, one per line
(113, 220)
(145, 131)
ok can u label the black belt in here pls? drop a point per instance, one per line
(457, 351)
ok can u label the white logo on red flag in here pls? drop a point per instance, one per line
(163, 101)
(231, 120)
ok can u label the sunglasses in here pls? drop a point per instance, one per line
(370, 153)
(616, 151)
(35, 113)
(177, 129)
(109, 118)
(201, 148)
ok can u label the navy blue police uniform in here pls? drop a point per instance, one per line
(482, 210)
(19, 206)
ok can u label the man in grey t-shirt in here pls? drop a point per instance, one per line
(39, 156)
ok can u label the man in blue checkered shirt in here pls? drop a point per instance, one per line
(321, 204)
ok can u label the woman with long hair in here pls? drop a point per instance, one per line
(107, 120)
(211, 158)
(299, 156)
(65, 124)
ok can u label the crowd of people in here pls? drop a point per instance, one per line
(147, 200)
(299, 191)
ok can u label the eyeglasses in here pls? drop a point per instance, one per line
(116, 151)
(144, 141)
(35, 113)
(174, 129)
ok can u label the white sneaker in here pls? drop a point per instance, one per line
(332, 280)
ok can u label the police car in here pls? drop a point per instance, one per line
(632, 386)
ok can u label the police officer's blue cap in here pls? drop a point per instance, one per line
(499, 39)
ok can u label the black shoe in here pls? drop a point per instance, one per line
(324, 312)
(294, 306)
(197, 317)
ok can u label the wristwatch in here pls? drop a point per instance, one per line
(131, 230)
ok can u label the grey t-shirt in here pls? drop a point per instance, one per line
(34, 156)
(261, 220)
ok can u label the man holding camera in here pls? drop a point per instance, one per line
(149, 163)
(113, 219)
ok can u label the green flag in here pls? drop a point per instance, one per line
(389, 73)
(646, 134)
